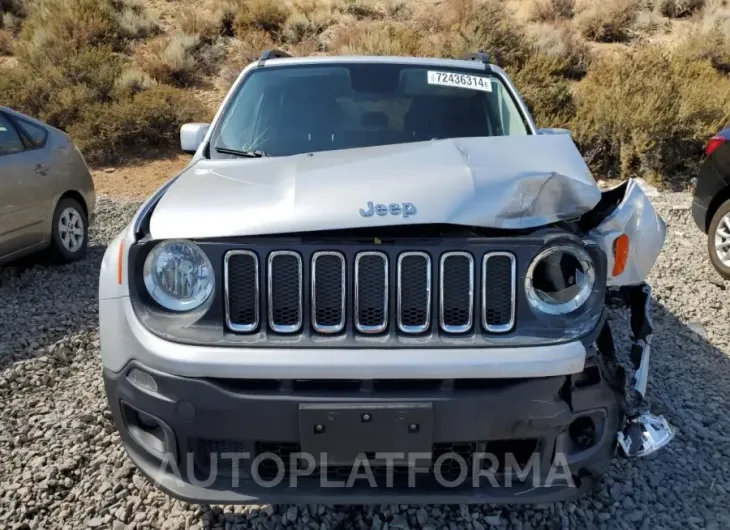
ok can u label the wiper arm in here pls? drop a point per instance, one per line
(248, 154)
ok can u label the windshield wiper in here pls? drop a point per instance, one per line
(248, 154)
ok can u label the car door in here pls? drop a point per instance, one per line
(26, 187)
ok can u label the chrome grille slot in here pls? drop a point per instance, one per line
(328, 292)
(371, 292)
(241, 283)
(456, 292)
(499, 282)
(285, 291)
(414, 292)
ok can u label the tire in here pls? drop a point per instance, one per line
(69, 232)
(719, 234)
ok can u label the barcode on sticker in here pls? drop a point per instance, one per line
(473, 82)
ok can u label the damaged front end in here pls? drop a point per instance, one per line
(631, 233)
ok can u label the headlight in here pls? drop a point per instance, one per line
(560, 279)
(178, 275)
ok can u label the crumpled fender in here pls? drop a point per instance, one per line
(634, 216)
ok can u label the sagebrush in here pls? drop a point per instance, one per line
(114, 76)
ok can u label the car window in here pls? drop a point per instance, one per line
(35, 133)
(10, 141)
(297, 109)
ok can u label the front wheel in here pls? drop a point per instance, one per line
(70, 231)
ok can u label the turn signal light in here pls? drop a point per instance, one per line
(120, 262)
(620, 254)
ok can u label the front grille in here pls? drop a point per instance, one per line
(285, 291)
(242, 290)
(328, 292)
(371, 292)
(498, 291)
(414, 292)
(457, 292)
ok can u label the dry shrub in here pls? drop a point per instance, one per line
(647, 113)
(266, 15)
(363, 9)
(243, 52)
(56, 87)
(547, 95)
(69, 73)
(457, 27)
(196, 21)
(148, 119)
(679, 8)
(564, 45)
(309, 19)
(710, 39)
(649, 22)
(551, 10)
(14, 8)
(134, 20)
(83, 23)
(376, 38)
(170, 59)
(6, 42)
(712, 45)
(11, 22)
(608, 20)
(133, 80)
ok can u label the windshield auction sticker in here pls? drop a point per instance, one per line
(473, 82)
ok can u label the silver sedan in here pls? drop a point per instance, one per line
(46, 193)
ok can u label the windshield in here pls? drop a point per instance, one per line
(281, 111)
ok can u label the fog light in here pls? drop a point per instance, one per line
(142, 380)
(583, 432)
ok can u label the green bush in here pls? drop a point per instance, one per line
(56, 88)
(646, 112)
(546, 93)
(71, 74)
(151, 118)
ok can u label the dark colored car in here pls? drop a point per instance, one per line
(711, 204)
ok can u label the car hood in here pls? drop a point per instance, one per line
(508, 182)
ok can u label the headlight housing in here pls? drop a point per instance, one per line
(178, 275)
(560, 279)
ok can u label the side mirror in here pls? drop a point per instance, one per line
(553, 130)
(192, 135)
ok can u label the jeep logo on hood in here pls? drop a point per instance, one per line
(406, 209)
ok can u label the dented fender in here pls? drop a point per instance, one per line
(634, 216)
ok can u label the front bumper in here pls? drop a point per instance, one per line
(529, 440)
(222, 438)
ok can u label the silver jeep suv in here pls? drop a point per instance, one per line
(378, 282)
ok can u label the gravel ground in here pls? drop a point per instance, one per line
(62, 466)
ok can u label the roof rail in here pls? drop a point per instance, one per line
(272, 54)
(477, 56)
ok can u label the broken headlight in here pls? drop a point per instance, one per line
(560, 279)
(178, 275)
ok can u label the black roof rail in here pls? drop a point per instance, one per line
(272, 54)
(477, 56)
